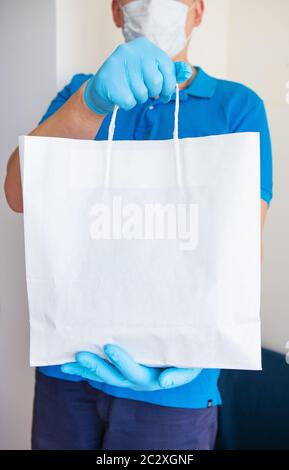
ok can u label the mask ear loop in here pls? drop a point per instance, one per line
(107, 175)
(178, 159)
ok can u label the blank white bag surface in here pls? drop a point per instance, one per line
(166, 306)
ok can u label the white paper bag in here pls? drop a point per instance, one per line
(152, 245)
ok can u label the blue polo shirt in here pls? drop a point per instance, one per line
(209, 106)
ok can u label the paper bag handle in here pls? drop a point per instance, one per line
(178, 159)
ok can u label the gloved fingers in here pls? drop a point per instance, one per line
(73, 368)
(167, 69)
(128, 367)
(122, 95)
(175, 377)
(112, 85)
(136, 83)
(183, 71)
(102, 369)
(152, 77)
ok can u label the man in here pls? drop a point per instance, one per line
(119, 404)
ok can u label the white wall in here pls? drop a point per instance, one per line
(243, 40)
(85, 36)
(262, 62)
(210, 42)
(27, 83)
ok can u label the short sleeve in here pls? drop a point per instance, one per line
(255, 120)
(61, 98)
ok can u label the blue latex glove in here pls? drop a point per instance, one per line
(135, 71)
(122, 371)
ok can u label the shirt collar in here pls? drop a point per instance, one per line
(202, 86)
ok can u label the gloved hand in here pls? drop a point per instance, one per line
(123, 371)
(135, 71)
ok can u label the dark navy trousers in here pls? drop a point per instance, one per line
(74, 416)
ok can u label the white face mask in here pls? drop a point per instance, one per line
(160, 21)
